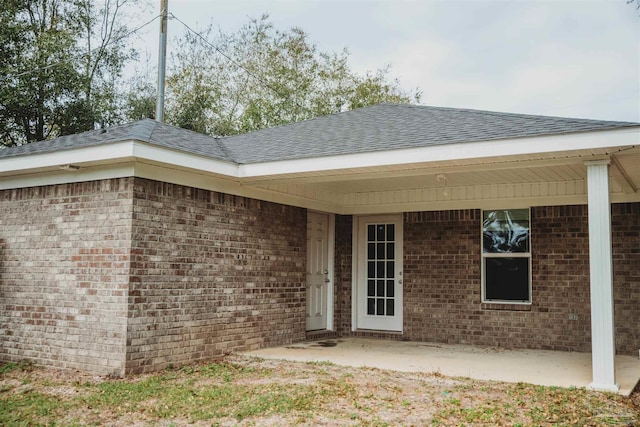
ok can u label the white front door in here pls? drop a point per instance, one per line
(379, 273)
(317, 270)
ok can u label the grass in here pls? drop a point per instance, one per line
(30, 408)
(243, 391)
(205, 392)
(524, 404)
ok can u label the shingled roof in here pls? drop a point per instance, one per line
(375, 128)
(145, 130)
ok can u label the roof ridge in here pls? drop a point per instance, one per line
(220, 142)
(143, 129)
(506, 113)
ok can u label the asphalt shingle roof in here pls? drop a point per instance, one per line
(145, 130)
(390, 126)
(376, 128)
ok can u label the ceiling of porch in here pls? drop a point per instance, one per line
(548, 179)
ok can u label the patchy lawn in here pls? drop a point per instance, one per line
(248, 391)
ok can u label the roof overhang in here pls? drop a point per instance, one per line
(431, 177)
(584, 145)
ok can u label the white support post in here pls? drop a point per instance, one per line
(600, 265)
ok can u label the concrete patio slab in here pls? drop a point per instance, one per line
(541, 367)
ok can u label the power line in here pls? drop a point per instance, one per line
(258, 78)
(57, 64)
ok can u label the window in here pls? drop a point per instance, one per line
(506, 256)
(381, 271)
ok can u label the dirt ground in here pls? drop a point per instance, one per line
(252, 391)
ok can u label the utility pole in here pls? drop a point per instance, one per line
(162, 59)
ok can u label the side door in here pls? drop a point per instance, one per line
(317, 270)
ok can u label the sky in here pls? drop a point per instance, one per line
(566, 58)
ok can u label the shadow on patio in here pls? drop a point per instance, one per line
(541, 367)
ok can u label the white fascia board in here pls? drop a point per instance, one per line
(92, 154)
(118, 152)
(114, 153)
(450, 152)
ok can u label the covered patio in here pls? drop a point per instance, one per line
(540, 367)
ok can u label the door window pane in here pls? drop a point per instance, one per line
(390, 251)
(371, 288)
(371, 269)
(371, 306)
(371, 233)
(371, 251)
(391, 232)
(390, 307)
(380, 288)
(380, 269)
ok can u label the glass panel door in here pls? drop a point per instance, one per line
(379, 301)
(381, 269)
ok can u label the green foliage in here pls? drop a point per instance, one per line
(262, 77)
(8, 367)
(140, 100)
(200, 393)
(60, 62)
(30, 408)
(244, 391)
(23, 365)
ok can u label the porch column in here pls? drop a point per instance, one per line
(601, 275)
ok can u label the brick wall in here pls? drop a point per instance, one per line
(135, 275)
(625, 228)
(442, 278)
(211, 274)
(64, 271)
(342, 274)
(442, 283)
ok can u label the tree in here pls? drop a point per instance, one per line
(138, 101)
(60, 60)
(262, 77)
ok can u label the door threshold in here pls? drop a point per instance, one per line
(385, 335)
(320, 334)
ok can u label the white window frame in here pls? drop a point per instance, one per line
(486, 255)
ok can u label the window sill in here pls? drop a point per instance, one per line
(505, 306)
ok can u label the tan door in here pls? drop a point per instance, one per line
(317, 270)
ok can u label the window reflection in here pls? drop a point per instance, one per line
(505, 231)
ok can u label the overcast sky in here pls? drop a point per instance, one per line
(563, 58)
